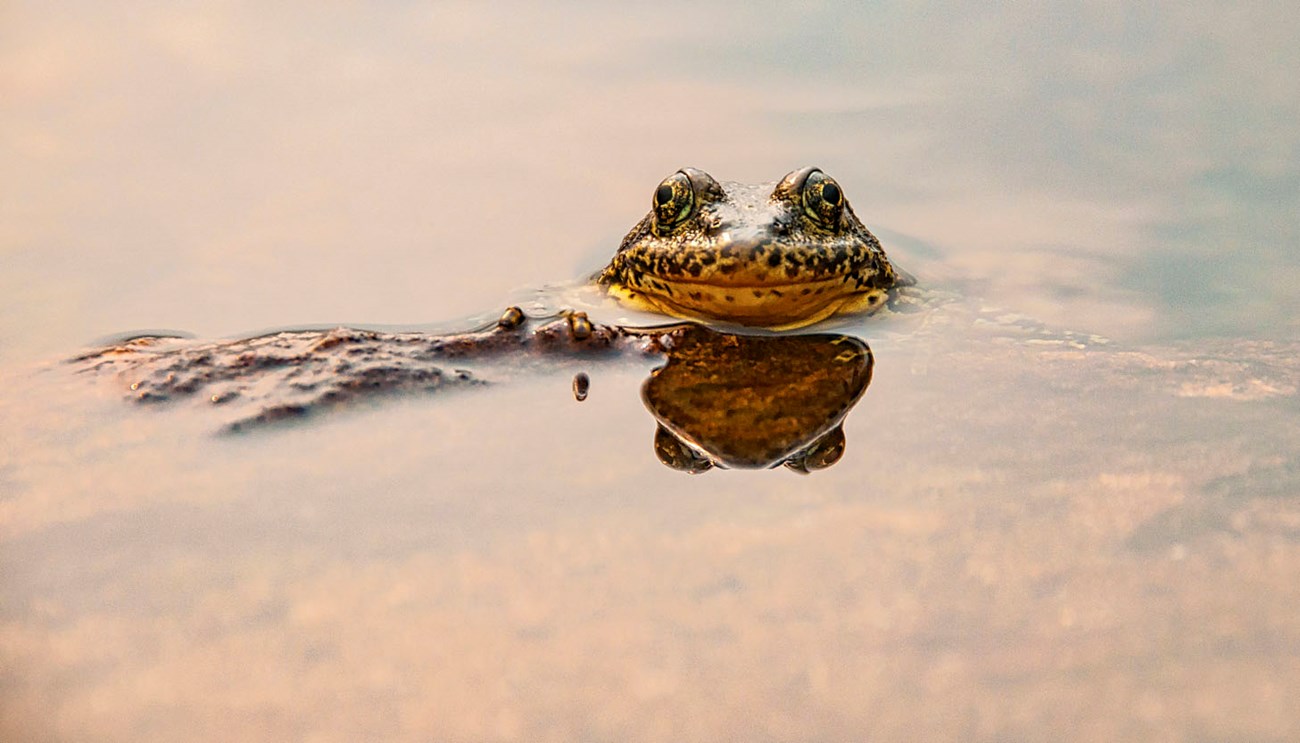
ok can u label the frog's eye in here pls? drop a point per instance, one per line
(822, 454)
(822, 199)
(673, 203)
(672, 452)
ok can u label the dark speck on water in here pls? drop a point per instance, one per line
(581, 383)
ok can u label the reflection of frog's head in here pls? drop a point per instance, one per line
(780, 255)
(755, 401)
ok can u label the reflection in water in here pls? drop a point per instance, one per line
(755, 401)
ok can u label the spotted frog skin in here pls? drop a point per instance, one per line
(779, 256)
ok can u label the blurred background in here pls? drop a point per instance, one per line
(223, 167)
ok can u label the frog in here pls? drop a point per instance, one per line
(782, 255)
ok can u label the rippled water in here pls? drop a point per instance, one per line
(1025, 540)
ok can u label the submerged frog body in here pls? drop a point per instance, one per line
(719, 399)
(781, 256)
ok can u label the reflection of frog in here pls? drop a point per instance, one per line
(755, 401)
(781, 256)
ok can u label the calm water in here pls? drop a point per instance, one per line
(1024, 541)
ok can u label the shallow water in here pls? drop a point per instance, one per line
(1024, 539)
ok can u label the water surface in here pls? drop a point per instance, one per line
(1024, 540)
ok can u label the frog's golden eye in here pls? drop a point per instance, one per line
(674, 201)
(820, 455)
(672, 452)
(822, 199)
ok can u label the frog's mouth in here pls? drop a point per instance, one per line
(779, 306)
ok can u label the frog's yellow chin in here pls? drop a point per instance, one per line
(784, 307)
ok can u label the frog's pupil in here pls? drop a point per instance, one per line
(663, 194)
(831, 193)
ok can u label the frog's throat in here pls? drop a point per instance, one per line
(785, 307)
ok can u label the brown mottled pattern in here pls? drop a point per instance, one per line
(753, 254)
(293, 374)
